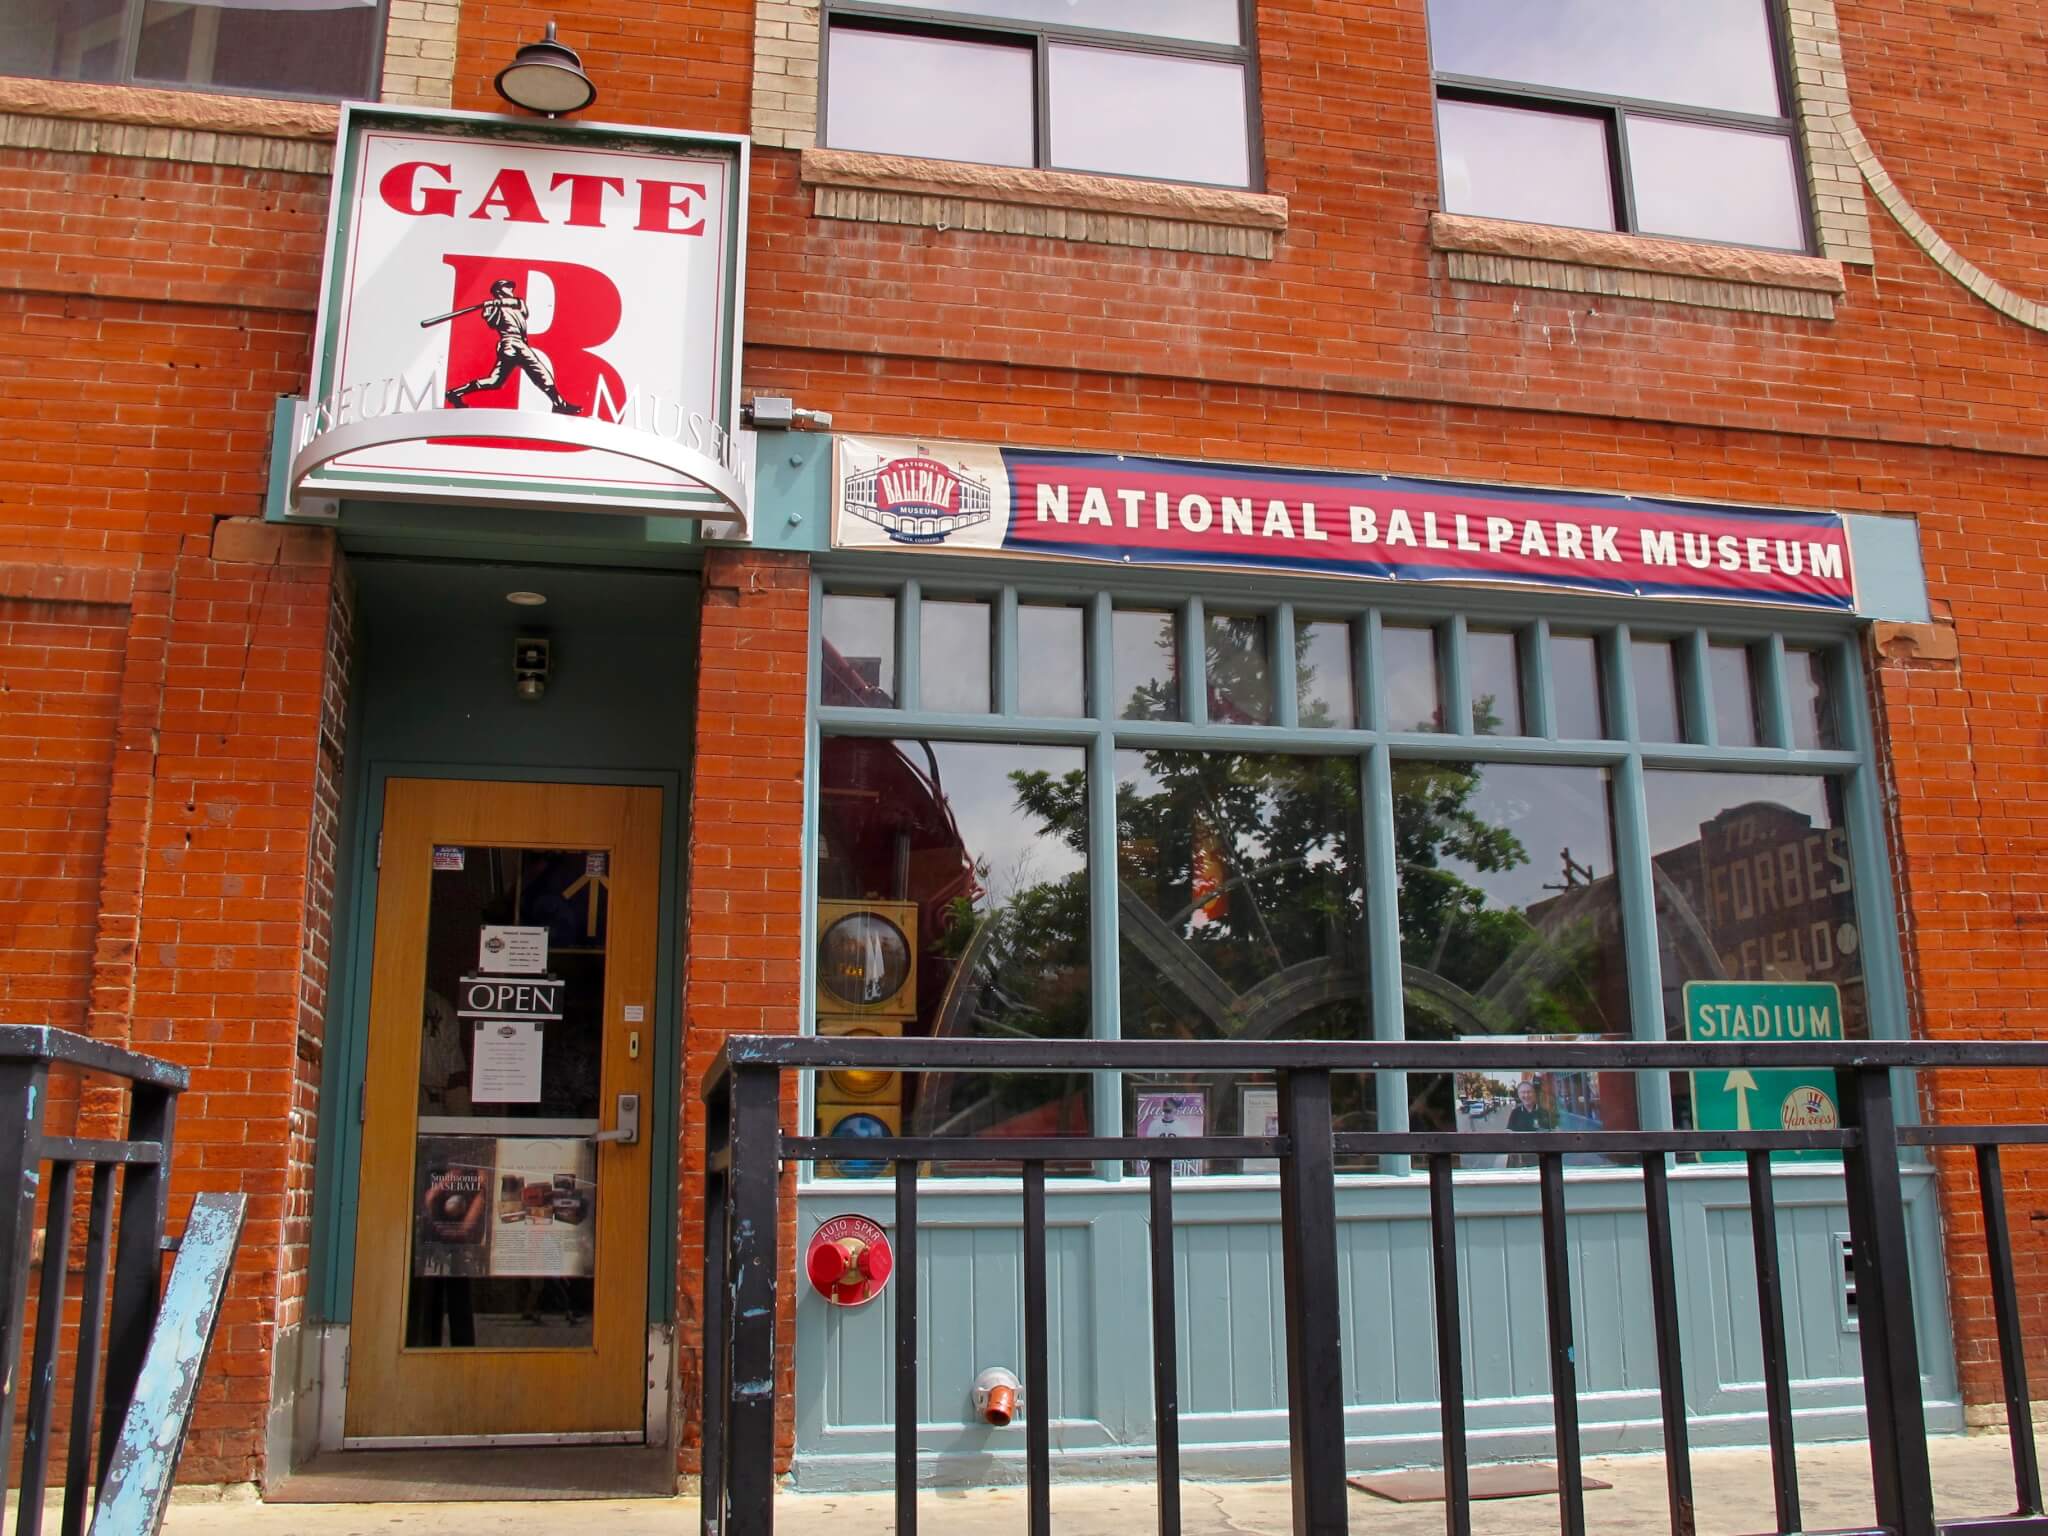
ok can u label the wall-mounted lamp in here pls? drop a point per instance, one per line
(530, 666)
(548, 77)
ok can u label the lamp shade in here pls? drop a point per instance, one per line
(546, 76)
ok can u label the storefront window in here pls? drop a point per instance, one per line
(1510, 928)
(1147, 664)
(1239, 669)
(1324, 692)
(859, 661)
(1240, 916)
(1408, 662)
(1653, 665)
(1754, 882)
(1728, 673)
(953, 902)
(1575, 688)
(1812, 701)
(1052, 671)
(1493, 673)
(955, 639)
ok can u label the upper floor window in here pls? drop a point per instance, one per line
(323, 48)
(1154, 88)
(1659, 117)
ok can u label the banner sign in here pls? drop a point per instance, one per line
(1139, 511)
(516, 311)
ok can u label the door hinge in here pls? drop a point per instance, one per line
(380, 848)
(362, 1101)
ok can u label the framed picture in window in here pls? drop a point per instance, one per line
(1258, 1114)
(1174, 1112)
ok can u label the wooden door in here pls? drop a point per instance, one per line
(501, 1237)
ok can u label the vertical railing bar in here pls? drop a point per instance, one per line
(1770, 1306)
(1665, 1313)
(1165, 1347)
(92, 1321)
(1315, 1335)
(906, 1349)
(1450, 1353)
(138, 1259)
(23, 1087)
(753, 1183)
(711, 1362)
(2012, 1356)
(42, 1371)
(1564, 1378)
(1901, 1480)
(1037, 1357)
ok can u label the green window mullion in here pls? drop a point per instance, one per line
(1106, 993)
(1622, 723)
(1005, 679)
(1640, 939)
(1696, 690)
(1280, 667)
(1383, 938)
(909, 642)
(1454, 688)
(1863, 805)
(1101, 658)
(1194, 662)
(1370, 693)
(1539, 687)
(1774, 705)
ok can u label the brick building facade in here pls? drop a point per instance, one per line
(179, 681)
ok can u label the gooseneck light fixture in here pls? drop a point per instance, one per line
(547, 77)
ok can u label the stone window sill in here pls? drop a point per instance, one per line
(1064, 205)
(194, 126)
(1637, 267)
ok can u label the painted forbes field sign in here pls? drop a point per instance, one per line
(515, 312)
(1140, 511)
(1758, 1098)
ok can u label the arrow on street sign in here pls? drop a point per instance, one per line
(1742, 1085)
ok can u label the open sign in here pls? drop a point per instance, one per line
(510, 997)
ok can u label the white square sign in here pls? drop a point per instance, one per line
(517, 312)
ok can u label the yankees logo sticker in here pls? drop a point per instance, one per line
(495, 280)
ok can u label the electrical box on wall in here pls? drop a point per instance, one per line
(867, 959)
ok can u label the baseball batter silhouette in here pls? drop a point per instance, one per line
(505, 313)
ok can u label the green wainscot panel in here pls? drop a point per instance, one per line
(1764, 1099)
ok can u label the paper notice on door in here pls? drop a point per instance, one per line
(546, 1214)
(512, 951)
(505, 1067)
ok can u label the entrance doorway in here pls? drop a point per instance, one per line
(501, 1234)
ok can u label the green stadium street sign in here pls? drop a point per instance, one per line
(1764, 1098)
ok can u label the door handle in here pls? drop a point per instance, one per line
(628, 1131)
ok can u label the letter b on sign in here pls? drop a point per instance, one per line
(587, 309)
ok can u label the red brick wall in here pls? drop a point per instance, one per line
(742, 968)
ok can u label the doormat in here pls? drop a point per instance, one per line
(1512, 1480)
(480, 1475)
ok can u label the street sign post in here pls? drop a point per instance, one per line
(1768, 1098)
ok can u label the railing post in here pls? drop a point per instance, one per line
(23, 1087)
(1315, 1357)
(711, 1336)
(752, 1281)
(1903, 1483)
(138, 1260)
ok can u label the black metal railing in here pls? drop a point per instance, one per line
(118, 1283)
(747, 1148)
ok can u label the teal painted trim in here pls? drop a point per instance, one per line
(1618, 679)
(792, 491)
(1383, 940)
(1774, 705)
(1003, 680)
(274, 499)
(1368, 680)
(1695, 689)
(1640, 942)
(1280, 668)
(1104, 957)
(1194, 663)
(1454, 688)
(498, 534)
(807, 1008)
(909, 647)
(1539, 715)
(1884, 557)
(1884, 975)
(1100, 662)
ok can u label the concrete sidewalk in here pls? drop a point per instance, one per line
(1972, 1476)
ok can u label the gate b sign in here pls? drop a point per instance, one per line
(520, 312)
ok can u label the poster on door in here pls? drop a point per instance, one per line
(501, 1207)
